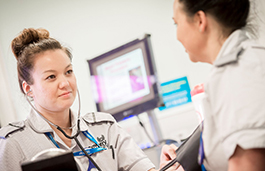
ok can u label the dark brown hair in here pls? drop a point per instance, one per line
(27, 45)
(231, 14)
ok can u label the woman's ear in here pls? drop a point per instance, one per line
(26, 88)
(201, 19)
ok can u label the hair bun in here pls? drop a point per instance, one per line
(27, 37)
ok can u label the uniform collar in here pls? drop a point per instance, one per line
(231, 48)
(83, 125)
(40, 125)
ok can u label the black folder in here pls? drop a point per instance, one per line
(187, 153)
(62, 162)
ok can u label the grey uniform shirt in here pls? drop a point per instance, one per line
(21, 143)
(235, 95)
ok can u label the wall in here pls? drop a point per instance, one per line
(94, 27)
(6, 106)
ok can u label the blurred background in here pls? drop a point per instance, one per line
(91, 28)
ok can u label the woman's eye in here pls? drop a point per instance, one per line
(69, 71)
(50, 77)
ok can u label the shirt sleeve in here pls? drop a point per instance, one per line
(240, 109)
(10, 155)
(130, 156)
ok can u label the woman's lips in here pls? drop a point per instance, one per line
(65, 94)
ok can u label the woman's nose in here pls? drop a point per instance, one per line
(64, 82)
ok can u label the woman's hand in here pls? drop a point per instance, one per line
(168, 153)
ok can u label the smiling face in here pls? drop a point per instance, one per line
(54, 83)
(188, 32)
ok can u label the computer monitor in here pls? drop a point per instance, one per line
(125, 81)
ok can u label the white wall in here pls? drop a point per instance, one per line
(7, 111)
(93, 27)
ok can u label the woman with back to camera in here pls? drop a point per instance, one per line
(233, 134)
(46, 76)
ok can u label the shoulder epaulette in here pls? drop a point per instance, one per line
(98, 117)
(258, 47)
(11, 128)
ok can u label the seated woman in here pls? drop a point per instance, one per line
(46, 77)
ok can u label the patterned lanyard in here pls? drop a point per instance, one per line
(201, 156)
(81, 153)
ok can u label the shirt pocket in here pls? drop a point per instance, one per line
(107, 159)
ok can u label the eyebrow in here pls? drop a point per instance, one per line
(54, 70)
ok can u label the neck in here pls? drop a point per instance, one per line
(215, 46)
(215, 41)
(61, 119)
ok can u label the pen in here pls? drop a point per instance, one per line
(113, 154)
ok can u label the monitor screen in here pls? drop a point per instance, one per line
(125, 79)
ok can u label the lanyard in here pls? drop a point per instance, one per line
(81, 153)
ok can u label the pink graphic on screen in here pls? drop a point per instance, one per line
(136, 79)
(122, 80)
